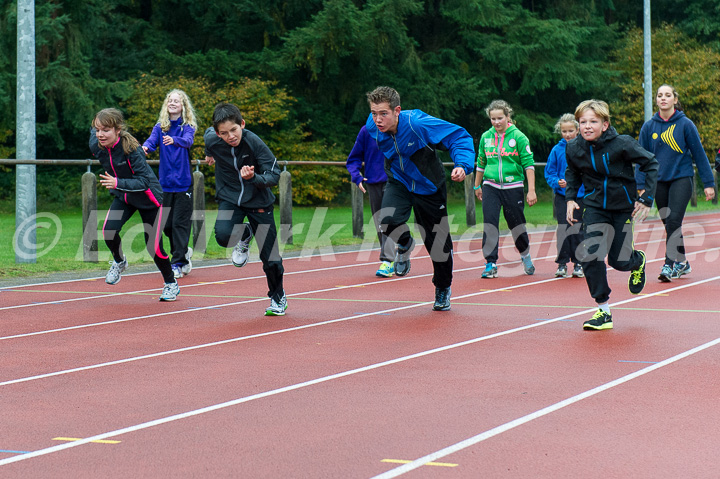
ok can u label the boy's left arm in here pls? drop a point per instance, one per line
(267, 173)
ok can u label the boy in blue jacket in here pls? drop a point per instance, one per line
(416, 181)
(366, 151)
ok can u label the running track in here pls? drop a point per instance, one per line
(361, 379)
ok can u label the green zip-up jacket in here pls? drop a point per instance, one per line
(507, 169)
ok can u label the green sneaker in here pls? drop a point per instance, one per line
(386, 269)
(600, 320)
(636, 282)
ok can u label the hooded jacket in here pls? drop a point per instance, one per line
(676, 143)
(137, 184)
(175, 173)
(229, 184)
(605, 168)
(504, 166)
(410, 154)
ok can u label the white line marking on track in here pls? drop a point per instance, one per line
(312, 382)
(432, 457)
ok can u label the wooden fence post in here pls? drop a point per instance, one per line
(356, 199)
(89, 217)
(285, 200)
(198, 214)
(470, 200)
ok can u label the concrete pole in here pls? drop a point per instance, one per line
(25, 206)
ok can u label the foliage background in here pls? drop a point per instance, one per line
(300, 69)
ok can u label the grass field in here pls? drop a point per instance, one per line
(59, 236)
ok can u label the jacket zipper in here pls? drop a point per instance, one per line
(242, 183)
(402, 166)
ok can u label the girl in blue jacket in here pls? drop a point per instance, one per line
(173, 135)
(568, 237)
(676, 143)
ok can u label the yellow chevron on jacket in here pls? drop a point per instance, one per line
(667, 137)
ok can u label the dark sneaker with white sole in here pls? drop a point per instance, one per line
(402, 258)
(442, 299)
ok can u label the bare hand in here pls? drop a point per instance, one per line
(210, 160)
(109, 182)
(458, 174)
(145, 149)
(570, 215)
(361, 187)
(531, 198)
(247, 172)
(168, 140)
(562, 183)
(709, 193)
(478, 193)
(640, 212)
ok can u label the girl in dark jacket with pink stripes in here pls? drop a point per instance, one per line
(135, 188)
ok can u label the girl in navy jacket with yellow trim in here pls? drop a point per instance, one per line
(675, 141)
(135, 188)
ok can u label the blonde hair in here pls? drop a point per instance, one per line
(499, 105)
(599, 107)
(187, 114)
(113, 118)
(566, 118)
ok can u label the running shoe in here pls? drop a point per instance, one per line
(600, 320)
(113, 274)
(681, 269)
(561, 271)
(402, 258)
(186, 268)
(528, 265)
(666, 273)
(277, 308)
(170, 292)
(177, 270)
(386, 269)
(578, 272)
(636, 282)
(241, 253)
(490, 271)
(442, 299)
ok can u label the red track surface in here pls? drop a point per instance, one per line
(360, 371)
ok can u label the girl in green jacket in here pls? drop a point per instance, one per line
(504, 160)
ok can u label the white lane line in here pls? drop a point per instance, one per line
(434, 456)
(312, 382)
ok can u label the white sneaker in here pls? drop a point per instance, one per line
(186, 268)
(177, 271)
(113, 274)
(170, 292)
(240, 254)
(277, 308)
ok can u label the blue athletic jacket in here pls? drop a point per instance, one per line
(410, 154)
(676, 143)
(555, 169)
(175, 171)
(366, 150)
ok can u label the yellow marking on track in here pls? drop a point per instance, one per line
(100, 441)
(440, 464)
